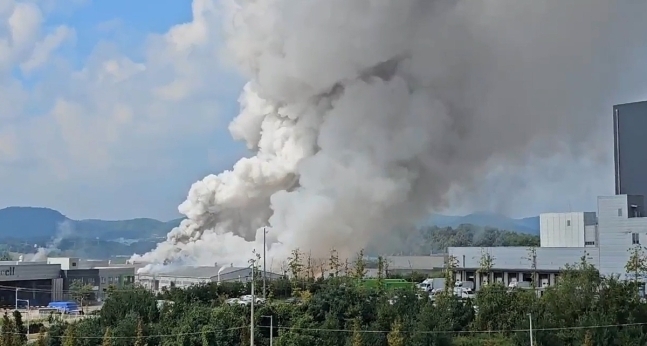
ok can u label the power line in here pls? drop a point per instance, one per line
(208, 331)
(148, 336)
(463, 331)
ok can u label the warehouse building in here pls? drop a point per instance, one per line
(32, 283)
(604, 238)
(100, 274)
(37, 284)
(183, 277)
(605, 242)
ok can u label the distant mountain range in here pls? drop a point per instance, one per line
(35, 223)
(43, 223)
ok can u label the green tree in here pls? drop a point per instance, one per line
(42, 338)
(381, 273)
(486, 263)
(121, 303)
(5, 256)
(334, 265)
(637, 264)
(70, 338)
(532, 259)
(357, 339)
(588, 339)
(21, 330)
(8, 331)
(208, 336)
(359, 267)
(80, 292)
(395, 337)
(107, 337)
(140, 340)
(450, 274)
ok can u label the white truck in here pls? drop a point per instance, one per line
(432, 284)
(519, 284)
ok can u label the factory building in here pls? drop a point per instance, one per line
(100, 274)
(34, 283)
(565, 238)
(183, 277)
(604, 238)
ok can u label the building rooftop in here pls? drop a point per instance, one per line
(201, 272)
(206, 272)
(21, 263)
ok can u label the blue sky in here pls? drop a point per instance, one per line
(94, 125)
(112, 109)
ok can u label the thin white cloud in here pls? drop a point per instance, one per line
(44, 48)
(113, 119)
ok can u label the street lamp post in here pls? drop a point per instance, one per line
(271, 329)
(17, 288)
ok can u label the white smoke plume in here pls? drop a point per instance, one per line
(63, 230)
(364, 115)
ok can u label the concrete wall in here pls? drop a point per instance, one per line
(565, 229)
(20, 271)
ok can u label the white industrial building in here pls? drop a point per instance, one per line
(183, 277)
(605, 239)
(568, 229)
(99, 274)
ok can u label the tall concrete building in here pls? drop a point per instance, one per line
(630, 148)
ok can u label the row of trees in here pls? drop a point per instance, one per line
(332, 309)
(432, 239)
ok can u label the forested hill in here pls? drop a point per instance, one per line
(432, 239)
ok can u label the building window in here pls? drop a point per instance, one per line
(103, 279)
(635, 239)
(589, 243)
(568, 223)
(619, 211)
(73, 264)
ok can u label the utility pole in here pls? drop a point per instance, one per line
(251, 325)
(530, 319)
(264, 265)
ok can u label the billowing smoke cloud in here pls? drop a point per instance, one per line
(64, 230)
(365, 115)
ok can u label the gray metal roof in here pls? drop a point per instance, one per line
(209, 272)
(204, 272)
